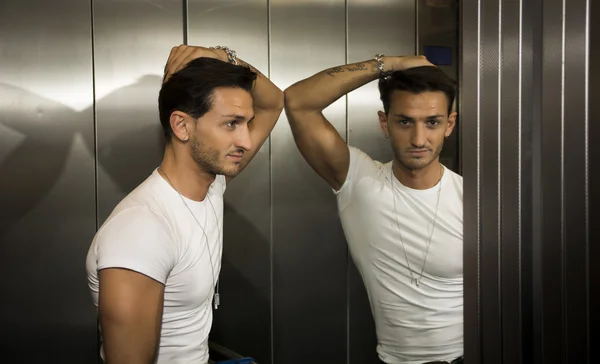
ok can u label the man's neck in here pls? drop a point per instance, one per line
(421, 179)
(184, 175)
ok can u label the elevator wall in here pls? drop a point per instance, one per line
(528, 154)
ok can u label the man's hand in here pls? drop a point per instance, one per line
(183, 54)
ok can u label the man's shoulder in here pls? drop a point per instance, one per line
(361, 159)
(145, 203)
(453, 176)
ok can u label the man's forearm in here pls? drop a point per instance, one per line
(265, 94)
(321, 90)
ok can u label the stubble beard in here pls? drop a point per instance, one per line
(208, 159)
(415, 164)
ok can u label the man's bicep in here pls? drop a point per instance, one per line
(130, 309)
(321, 146)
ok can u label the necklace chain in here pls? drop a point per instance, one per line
(217, 297)
(416, 280)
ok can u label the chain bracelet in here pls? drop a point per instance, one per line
(379, 59)
(230, 54)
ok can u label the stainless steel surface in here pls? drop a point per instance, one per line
(243, 321)
(552, 177)
(525, 147)
(131, 45)
(469, 99)
(593, 187)
(490, 170)
(309, 251)
(386, 27)
(575, 186)
(47, 187)
(511, 117)
(572, 59)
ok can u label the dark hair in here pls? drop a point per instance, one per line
(417, 80)
(190, 90)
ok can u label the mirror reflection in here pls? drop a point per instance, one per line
(286, 188)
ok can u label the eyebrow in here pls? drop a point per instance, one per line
(410, 118)
(238, 117)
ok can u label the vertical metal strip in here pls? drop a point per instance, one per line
(499, 179)
(271, 236)
(186, 28)
(519, 179)
(587, 177)
(348, 258)
(563, 248)
(470, 109)
(95, 120)
(417, 44)
(534, 10)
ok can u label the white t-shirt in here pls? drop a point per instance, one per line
(414, 324)
(151, 231)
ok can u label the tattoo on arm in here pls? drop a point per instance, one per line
(358, 67)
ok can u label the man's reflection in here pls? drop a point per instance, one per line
(403, 219)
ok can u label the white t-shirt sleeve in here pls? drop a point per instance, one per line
(139, 240)
(360, 164)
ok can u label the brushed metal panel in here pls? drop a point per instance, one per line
(529, 115)
(309, 250)
(574, 183)
(593, 52)
(243, 321)
(132, 42)
(386, 27)
(552, 176)
(511, 119)
(469, 108)
(490, 170)
(593, 162)
(47, 186)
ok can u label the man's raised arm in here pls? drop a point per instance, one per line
(267, 98)
(318, 141)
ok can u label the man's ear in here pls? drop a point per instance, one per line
(383, 123)
(451, 123)
(180, 125)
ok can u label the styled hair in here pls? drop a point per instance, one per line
(417, 80)
(190, 90)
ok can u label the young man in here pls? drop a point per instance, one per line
(403, 219)
(153, 265)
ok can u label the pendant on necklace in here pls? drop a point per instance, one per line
(415, 281)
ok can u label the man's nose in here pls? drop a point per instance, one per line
(419, 136)
(243, 138)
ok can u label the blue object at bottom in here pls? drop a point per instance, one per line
(237, 361)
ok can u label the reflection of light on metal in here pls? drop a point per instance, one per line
(10, 140)
(75, 95)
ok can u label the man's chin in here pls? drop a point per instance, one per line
(415, 164)
(230, 172)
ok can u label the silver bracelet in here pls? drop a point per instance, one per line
(379, 59)
(230, 54)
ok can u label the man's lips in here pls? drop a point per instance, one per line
(418, 151)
